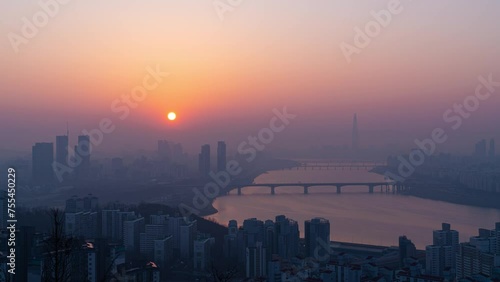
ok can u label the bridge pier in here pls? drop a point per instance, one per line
(400, 187)
(306, 190)
(396, 189)
(272, 190)
(239, 190)
(370, 189)
(338, 189)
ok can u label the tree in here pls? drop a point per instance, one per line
(58, 250)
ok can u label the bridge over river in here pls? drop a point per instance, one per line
(338, 165)
(387, 186)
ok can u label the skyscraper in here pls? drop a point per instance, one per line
(446, 237)
(204, 160)
(110, 224)
(406, 250)
(164, 149)
(491, 151)
(221, 156)
(202, 253)
(82, 151)
(42, 158)
(355, 136)
(286, 232)
(152, 232)
(479, 256)
(232, 227)
(163, 251)
(254, 231)
(62, 149)
(441, 255)
(480, 149)
(131, 234)
(317, 236)
(434, 259)
(230, 247)
(256, 261)
(187, 235)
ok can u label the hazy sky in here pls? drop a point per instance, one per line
(227, 75)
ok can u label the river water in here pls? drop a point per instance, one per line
(355, 215)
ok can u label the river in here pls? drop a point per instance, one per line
(355, 215)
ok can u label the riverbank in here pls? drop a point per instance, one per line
(249, 176)
(439, 190)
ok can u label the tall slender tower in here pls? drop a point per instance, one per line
(221, 156)
(62, 148)
(204, 160)
(355, 137)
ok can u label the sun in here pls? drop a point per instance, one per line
(171, 116)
